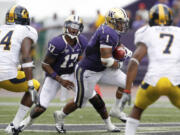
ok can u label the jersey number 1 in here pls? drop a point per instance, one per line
(171, 37)
(7, 40)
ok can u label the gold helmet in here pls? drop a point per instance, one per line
(117, 19)
(17, 15)
(73, 22)
(160, 14)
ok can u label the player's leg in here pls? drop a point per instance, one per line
(100, 107)
(72, 105)
(174, 95)
(118, 80)
(48, 92)
(19, 84)
(89, 81)
(59, 116)
(64, 93)
(146, 95)
(85, 82)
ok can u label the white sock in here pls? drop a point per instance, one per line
(63, 114)
(26, 122)
(117, 104)
(21, 113)
(108, 121)
(131, 126)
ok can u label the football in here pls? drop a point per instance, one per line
(119, 53)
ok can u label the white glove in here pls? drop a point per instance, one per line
(128, 52)
(126, 97)
(120, 64)
(34, 95)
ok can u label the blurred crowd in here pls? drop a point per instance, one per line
(53, 26)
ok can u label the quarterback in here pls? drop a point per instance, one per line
(17, 37)
(160, 42)
(98, 65)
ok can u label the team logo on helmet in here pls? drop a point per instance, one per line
(73, 22)
(17, 15)
(117, 19)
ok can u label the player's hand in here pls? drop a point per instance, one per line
(67, 84)
(128, 53)
(34, 95)
(120, 64)
(126, 97)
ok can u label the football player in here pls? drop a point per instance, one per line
(63, 53)
(160, 42)
(17, 37)
(98, 65)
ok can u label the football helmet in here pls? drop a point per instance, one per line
(160, 14)
(17, 15)
(117, 19)
(73, 26)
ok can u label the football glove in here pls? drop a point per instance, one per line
(120, 64)
(128, 53)
(34, 95)
(126, 97)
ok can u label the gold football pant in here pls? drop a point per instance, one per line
(147, 94)
(18, 84)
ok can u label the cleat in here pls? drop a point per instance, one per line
(10, 129)
(116, 129)
(60, 129)
(113, 128)
(59, 122)
(118, 114)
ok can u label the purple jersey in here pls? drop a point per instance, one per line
(66, 55)
(104, 35)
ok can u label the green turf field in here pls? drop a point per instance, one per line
(161, 112)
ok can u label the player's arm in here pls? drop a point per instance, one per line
(27, 65)
(139, 53)
(132, 69)
(128, 52)
(107, 58)
(46, 65)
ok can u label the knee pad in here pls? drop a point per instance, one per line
(97, 102)
(37, 111)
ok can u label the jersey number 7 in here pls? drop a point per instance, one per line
(171, 37)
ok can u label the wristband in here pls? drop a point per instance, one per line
(135, 60)
(127, 91)
(28, 64)
(53, 75)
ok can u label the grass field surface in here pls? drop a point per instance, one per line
(160, 118)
